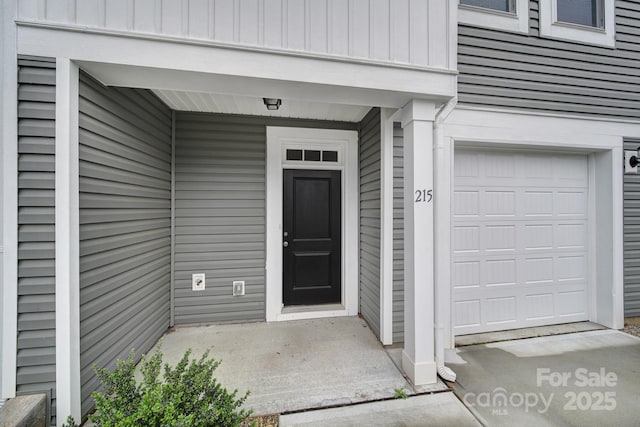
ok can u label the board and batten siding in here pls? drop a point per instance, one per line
(370, 167)
(631, 238)
(36, 369)
(398, 234)
(125, 226)
(526, 71)
(399, 31)
(220, 198)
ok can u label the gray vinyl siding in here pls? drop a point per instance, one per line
(504, 69)
(631, 238)
(369, 161)
(125, 229)
(220, 213)
(36, 370)
(398, 235)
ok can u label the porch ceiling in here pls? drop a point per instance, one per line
(252, 105)
(345, 94)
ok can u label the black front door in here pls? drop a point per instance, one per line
(311, 237)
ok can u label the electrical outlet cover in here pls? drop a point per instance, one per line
(238, 288)
(198, 282)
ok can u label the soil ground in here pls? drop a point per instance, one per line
(632, 326)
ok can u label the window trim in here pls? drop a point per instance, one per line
(517, 21)
(552, 28)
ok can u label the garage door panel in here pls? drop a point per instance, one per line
(467, 313)
(571, 268)
(500, 310)
(499, 203)
(538, 270)
(466, 239)
(572, 303)
(466, 274)
(500, 272)
(466, 204)
(537, 203)
(539, 306)
(538, 236)
(571, 204)
(519, 240)
(571, 236)
(571, 170)
(499, 238)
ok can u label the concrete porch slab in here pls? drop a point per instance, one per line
(295, 365)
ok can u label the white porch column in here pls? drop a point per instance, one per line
(418, 356)
(67, 231)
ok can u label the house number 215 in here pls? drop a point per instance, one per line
(424, 196)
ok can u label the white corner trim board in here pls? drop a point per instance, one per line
(346, 142)
(9, 182)
(67, 245)
(386, 226)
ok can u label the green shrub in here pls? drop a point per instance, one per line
(186, 395)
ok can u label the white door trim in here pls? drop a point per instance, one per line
(346, 142)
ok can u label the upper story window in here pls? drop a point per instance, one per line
(510, 15)
(501, 5)
(587, 21)
(581, 12)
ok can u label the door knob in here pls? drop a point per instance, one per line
(285, 244)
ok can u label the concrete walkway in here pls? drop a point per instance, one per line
(582, 379)
(440, 409)
(296, 365)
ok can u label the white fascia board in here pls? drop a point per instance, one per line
(166, 54)
(9, 181)
(518, 127)
(67, 244)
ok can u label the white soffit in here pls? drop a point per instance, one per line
(249, 105)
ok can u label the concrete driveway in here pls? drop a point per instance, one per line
(581, 379)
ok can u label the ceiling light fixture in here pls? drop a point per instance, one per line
(272, 103)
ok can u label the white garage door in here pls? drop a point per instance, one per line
(519, 240)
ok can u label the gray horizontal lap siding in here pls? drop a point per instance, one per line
(398, 235)
(504, 69)
(220, 213)
(631, 238)
(125, 225)
(369, 160)
(36, 370)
